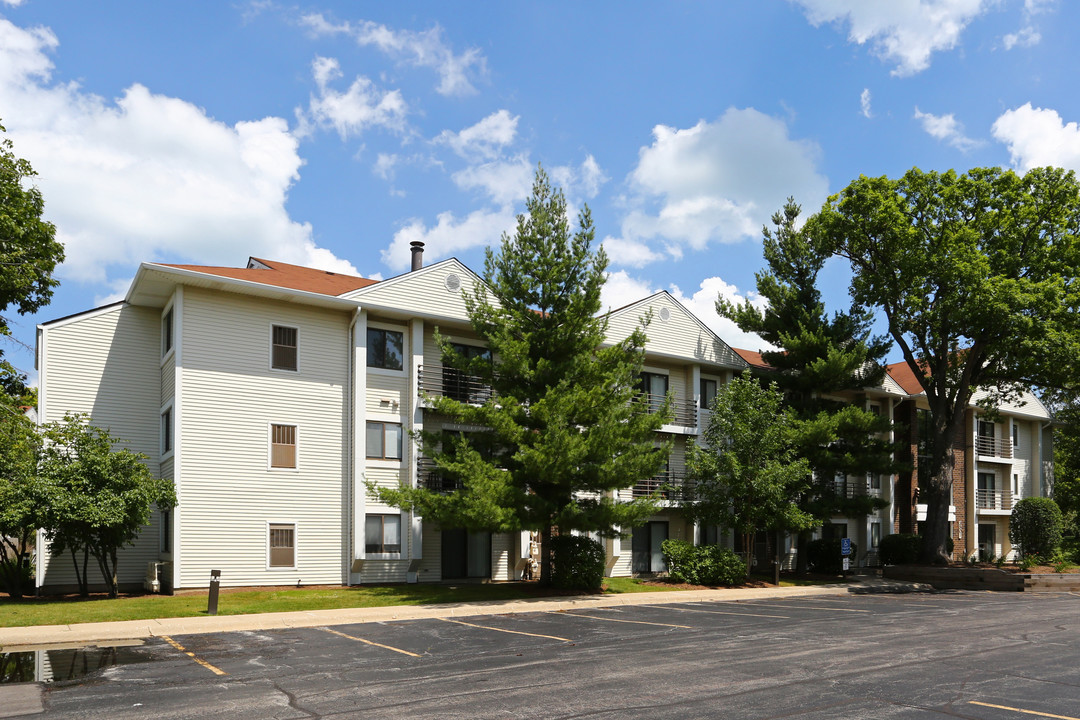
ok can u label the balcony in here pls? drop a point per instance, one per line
(430, 477)
(685, 411)
(993, 447)
(441, 381)
(856, 488)
(671, 485)
(993, 499)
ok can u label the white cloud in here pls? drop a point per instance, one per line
(149, 176)
(361, 106)
(13, 3)
(448, 235)
(1026, 37)
(584, 180)
(947, 129)
(483, 140)
(622, 289)
(1038, 137)
(504, 181)
(906, 32)
(419, 49)
(719, 181)
(630, 252)
(864, 103)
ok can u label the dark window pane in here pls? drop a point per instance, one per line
(395, 350)
(376, 348)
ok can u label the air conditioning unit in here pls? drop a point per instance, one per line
(152, 582)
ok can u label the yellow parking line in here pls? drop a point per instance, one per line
(635, 622)
(369, 642)
(181, 648)
(806, 607)
(718, 612)
(514, 632)
(1025, 712)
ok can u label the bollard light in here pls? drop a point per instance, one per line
(215, 583)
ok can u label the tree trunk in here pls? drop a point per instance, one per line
(80, 578)
(748, 546)
(545, 555)
(936, 527)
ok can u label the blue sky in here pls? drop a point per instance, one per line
(332, 134)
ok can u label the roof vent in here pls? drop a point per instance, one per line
(665, 314)
(452, 282)
(417, 249)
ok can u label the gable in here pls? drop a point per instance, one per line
(433, 292)
(674, 332)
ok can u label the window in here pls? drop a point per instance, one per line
(282, 545)
(875, 481)
(875, 534)
(384, 440)
(166, 333)
(165, 543)
(655, 387)
(166, 431)
(1016, 486)
(283, 446)
(283, 348)
(382, 534)
(385, 349)
(875, 409)
(1016, 436)
(707, 393)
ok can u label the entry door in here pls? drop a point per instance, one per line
(987, 541)
(647, 554)
(465, 554)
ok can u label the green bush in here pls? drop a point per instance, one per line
(824, 555)
(1036, 525)
(703, 564)
(577, 562)
(900, 549)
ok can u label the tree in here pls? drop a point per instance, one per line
(22, 496)
(101, 497)
(29, 251)
(976, 275)
(818, 357)
(747, 476)
(1035, 525)
(567, 425)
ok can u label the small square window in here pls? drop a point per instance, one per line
(283, 446)
(166, 431)
(385, 349)
(382, 534)
(166, 333)
(384, 440)
(283, 350)
(282, 545)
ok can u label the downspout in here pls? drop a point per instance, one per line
(350, 450)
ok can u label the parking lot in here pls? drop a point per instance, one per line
(971, 655)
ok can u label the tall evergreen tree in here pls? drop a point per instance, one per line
(567, 424)
(818, 357)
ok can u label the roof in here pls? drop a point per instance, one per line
(902, 374)
(279, 274)
(752, 357)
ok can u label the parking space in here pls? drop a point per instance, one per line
(974, 655)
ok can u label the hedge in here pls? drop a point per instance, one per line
(577, 562)
(703, 564)
(1036, 525)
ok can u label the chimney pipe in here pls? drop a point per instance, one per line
(417, 248)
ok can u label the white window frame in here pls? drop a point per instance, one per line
(270, 446)
(166, 354)
(404, 440)
(405, 351)
(270, 348)
(167, 409)
(296, 545)
(403, 526)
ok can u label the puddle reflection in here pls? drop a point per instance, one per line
(65, 664)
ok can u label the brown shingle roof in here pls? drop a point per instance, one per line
(294, 277)
(904, 377)
(752, 357)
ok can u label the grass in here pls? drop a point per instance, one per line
(618, 585)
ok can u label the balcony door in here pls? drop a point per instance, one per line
(986, 443)
(461, 387)
(465, 554)
(655, 386)
(987, 495)
(647, 554)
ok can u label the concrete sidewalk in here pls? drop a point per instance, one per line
(24, 638)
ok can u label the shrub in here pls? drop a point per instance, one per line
(577, 562)
(900, 549)
(703, 564)
(824, 555)
(1036, 526)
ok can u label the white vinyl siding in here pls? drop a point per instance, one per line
(230, 398)
(422, 293)
(107, 364)
(680, 336)
(168, 381)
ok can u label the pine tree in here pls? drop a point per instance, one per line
(819, 356)
(567, 425)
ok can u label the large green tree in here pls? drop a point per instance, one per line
(101, 497)
(23, 496)
(976, 276)
(567, 427)
(746, 476)
(818, 357)
(29, 251)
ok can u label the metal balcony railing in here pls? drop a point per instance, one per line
(993, 447)
(685, 411)
(442, 381)
(430, 477)
(850, 489)
(993, 499)
(672, 485)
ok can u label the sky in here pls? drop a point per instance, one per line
(332, 134)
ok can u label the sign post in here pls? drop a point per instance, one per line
(845, 552)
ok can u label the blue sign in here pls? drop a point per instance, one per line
(845, 546)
